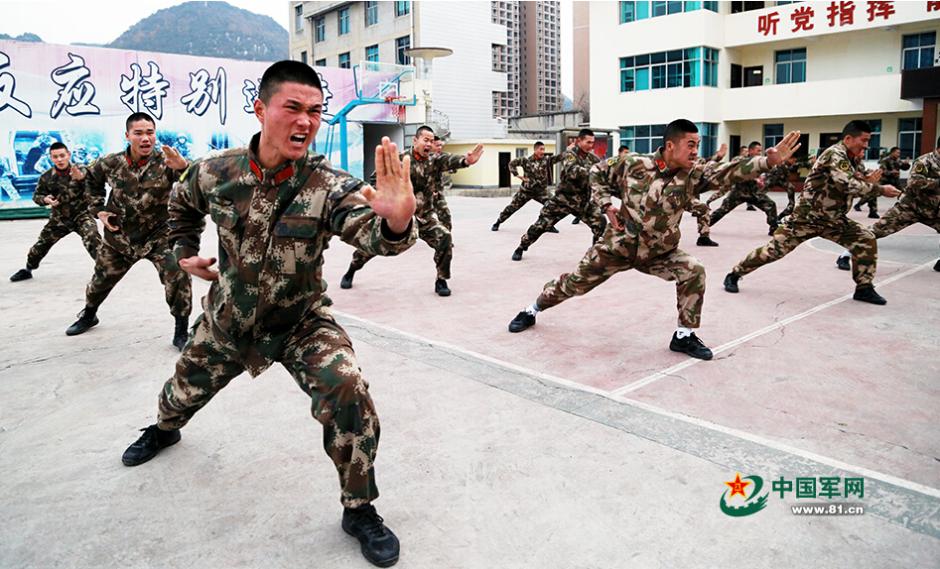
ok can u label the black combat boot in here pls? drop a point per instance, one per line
(731, 281)
(21, 275)
(440, 287)
(575, 221)
(872, 214)
(936, 266)
(346, 281)
(843, 263)
(86, 319)
(690, 345)
(378, 544)
(552, 229)
(522, 321)
(771, 229)
(705, 241)
(517, 254)
(867, 294)
(181, 332)
(495, 227)
(149, 444)
(751, 208)
(857, 207)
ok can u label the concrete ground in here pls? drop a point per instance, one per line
(580, 443)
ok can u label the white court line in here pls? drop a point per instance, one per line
(757, 439)
(640, 383)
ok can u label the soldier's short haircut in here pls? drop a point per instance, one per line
(740, 148)
(678, 129)
(537, 144)
(422, 129)
(585, 132)
(58, 146)
(286, 71)
(437, 138)
(856, 128)
(134, 117)
(753, 145)
(893, 148)
(623, 147)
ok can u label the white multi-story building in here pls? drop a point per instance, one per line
(748, 71)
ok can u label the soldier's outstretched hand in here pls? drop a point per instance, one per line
(76, 173)
(393, 197)
(784, 149)
(474, 155)
(890, 191)
(875, 176)
(174, 159)
(199, 267)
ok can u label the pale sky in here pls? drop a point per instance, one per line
(103, 21)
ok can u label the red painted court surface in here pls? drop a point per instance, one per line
(849, 381)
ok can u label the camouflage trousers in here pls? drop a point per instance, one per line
(701, 213)
(522, 197)
(442, 211)
(734, 199)
(853, 236)
(907, 211)
(432, 232)
(558, 207)
(56, 229)
(791, 202)
(111, 266)
(617, 253)
(320, 358)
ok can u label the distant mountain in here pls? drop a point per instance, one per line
(212, 29)
(22, 37)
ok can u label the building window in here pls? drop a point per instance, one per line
(402, 8)
(874, 145)
(372, 13)
(319, 27)
(633, 11)
(708, 131)
(773, 134)
(690, 67)
(303, 57)
(791, 65)
(342, 21)
(320, 63)
(499, 58)
(918, 50)
(909, 131)
(401, 44)
(642, 139)
(372, 53)
(344, 60)
(299, 18)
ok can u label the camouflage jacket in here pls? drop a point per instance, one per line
(427, 177)
(139, 196)
(270, 268)
(654, 197)
(832, 184)
(537, 172)
(892, 170)
(575, 178)
(924, 183)
(70, 193)
(781, 176)
(747, 188)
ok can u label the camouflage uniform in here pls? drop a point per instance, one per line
(920, 202)
(573, 197)
(71, 215)
(426, 179)
(538, 174)
(821, 212)
(139, 196)
(781, 177)
(440, 203)
(269, 303)
(892, 175)
(654, 200)
(748, 192)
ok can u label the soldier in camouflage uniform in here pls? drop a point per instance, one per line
(440, 203)
(644, 232)
(134, 220)
(749, 192)
(61, 187)
(276, 208)
(891, 166)
(536, 175)
(919, 204)
(835, 179)
(426, 171)
(782, 177)
(573, 195)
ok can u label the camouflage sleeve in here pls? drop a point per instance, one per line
(555, 158)
(603, 178)
(42, 190)
(841, 174)
(94, 187)
(514, 164)
(920, 181)
(903, 165)
(355, 223)
(722, 176)
(188, 208)
(573, 170)
(451, 161)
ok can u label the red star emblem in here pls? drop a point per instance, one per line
(737, 486)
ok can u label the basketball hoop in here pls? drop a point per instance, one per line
(399, 110)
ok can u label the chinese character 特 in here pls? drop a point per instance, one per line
(205, 91)
(7, 85)
(802, 18)
(845, 11)
(250, 91)
(76, 93)
(767, 24)
(144, 92)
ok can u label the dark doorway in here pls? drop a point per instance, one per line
(504, 179)
(803, 150)
(827, 139)
(737, 76)
(754, 76)
(734, 143)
